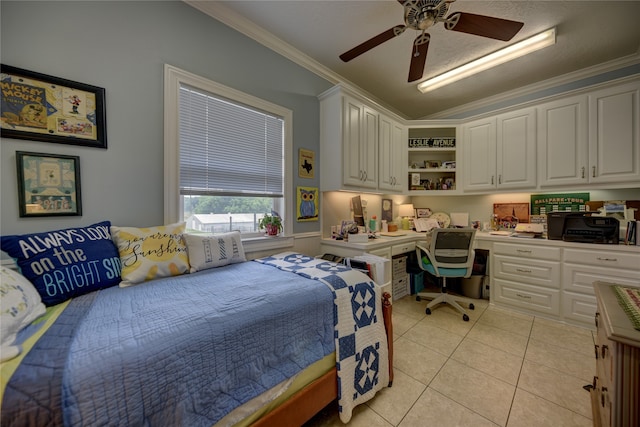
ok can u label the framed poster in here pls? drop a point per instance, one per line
(509, 215)
(307, 204)
(48, 185)
(44, 108)
(306, 163)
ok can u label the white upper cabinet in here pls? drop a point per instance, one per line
(562, 142)
(348, 143)
(392, 142)
(500, 152)
(614, 134)
(591, 139)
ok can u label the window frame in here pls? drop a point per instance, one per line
(173, 79)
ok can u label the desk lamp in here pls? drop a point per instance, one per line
(406, 211)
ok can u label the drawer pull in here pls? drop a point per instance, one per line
(607, 259)
(596, 347)
(523, 296)
(596, 318)
(523, 251)
(604, 391)
(604, 351)
(523, 270)
(595, 381)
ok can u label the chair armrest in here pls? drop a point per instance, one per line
(419, 251)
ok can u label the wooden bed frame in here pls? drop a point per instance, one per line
(303, 405)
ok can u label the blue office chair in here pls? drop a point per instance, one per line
(450, 254)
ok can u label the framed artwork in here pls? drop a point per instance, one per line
(44, 108)
(306, 163)
(510, 214)
(423, 212)
(307, 198)
(387, 210)
(48, 185)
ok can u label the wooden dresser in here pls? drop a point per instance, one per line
(616, 386)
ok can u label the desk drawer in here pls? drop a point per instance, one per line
(527, 251)
(403, 248)
(579, 277)
(532, 271)
(529, 297)
(601, 258)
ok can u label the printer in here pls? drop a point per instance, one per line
(582, 227)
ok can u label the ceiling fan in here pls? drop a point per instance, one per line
(421, 15)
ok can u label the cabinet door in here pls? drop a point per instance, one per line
(562, 142)
(390, 140)
(351, 141)
(614, 134)
(479, 155)
(516, 149)
(369, 148)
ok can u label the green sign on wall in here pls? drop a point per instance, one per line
(541, 204)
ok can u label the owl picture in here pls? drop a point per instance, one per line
(307, 203)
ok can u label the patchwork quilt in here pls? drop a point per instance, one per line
(361, 348)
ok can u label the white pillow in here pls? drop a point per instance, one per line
(20, 304)
(208, 251)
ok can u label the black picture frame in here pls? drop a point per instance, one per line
(39, 107)
(48, 185)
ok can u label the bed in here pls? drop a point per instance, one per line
(264, 342)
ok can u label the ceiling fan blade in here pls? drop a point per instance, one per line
(485, 26)
(418, 57)
(373, 42)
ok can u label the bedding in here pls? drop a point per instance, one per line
(187, 350)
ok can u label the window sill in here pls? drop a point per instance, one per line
(265, 243)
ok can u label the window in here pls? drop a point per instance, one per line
(226, 156)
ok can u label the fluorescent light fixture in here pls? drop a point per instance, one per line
(524, 47)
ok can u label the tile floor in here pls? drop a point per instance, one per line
(499, 369)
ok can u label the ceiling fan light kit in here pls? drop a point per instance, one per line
(420, 15)
(524, 47)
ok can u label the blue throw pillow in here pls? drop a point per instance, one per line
(67, 263)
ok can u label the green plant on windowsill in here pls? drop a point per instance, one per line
(272, 223)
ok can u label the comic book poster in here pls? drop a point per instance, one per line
(44, 108)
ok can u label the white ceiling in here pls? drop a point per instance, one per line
(315, 32)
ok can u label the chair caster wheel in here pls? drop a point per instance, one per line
(465, 317)
(471, 306)
(418, 299)
(428, 311)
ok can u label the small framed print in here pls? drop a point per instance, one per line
(423, 212)
(306, 163)
(48, 185)
(38, 107)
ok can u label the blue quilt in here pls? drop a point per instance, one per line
(179, 351)
(361, 347)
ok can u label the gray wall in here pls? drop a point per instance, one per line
(122, 47)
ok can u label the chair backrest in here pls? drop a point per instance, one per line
(452, 247)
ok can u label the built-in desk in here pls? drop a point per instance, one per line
(547, 278)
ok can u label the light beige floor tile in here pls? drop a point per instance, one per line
(449, 320)
(362, 416)
(570, 362)
(409, 307)
(556, 386)
(417, 360)
(482, 393)
(529, 410)
(392, 403)
(507, 320)
(434, 338)
(510, 342)
(571, 337)
(489, 360)
(434, 409)
(402, 323)
(479, 307)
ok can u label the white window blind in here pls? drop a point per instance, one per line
(227, 148)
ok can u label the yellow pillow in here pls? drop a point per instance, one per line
(150, 253)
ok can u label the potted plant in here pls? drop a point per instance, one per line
(272, 223)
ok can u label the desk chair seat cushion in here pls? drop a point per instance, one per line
(446, 272)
